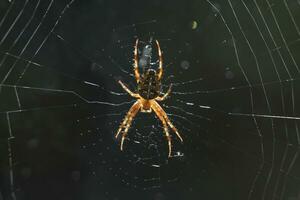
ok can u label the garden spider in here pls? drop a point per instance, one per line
(149, 85)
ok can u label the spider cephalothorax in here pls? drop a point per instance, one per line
(148, 93)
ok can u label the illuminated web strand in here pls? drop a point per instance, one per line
(17, 96)
(281, 93)
(187, 82)
(266, 162)
(277, 116)
(6, 13)
(282, 37)
(293, 103)
(233, 88)
(38, 108)
(27, 43)
(278, 75)
(281, 86)
(182, 127)
(13, 195)
(47, 36)
(135, 24)
(187, 112)
(288, 173)
(292, 162)
(17, 39)
(114, 62)
(14, 22)
(250, 93)
(22, 31)
(81, 52)
(66, 105)
(271, 36)
(266, 98)
(292, 88)
(67, 76)
(272, 59)
(264, 116)
(10, 159)
(193, 105)
(239, 114)
(67, 91)
(119, 67)
(185, 119)
(291, 16)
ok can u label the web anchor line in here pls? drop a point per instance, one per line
(264, 116)
(13, 195)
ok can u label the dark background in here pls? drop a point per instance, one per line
(62, 142)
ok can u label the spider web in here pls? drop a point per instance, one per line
(234, 69)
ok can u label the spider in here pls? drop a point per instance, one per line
(148, 93)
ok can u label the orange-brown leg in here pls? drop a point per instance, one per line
(127, 121)
(165, 95)
(128, 90)
(164, 114)
(160, 68)
(136, 61)
(161, 118)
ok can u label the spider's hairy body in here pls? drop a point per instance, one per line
(149, 86)
(148, 93)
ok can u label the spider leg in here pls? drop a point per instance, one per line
(164, 114)
(160, 68)
(127, 121)
(165, 95)
(128, 124)
(166, 130)
(128, 90)
(135, 67)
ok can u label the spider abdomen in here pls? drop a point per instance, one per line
(149, 86)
